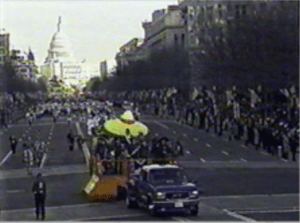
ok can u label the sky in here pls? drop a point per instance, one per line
(96, 28)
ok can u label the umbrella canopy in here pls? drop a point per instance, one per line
(125, 126)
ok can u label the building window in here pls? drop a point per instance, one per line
(244, 10)
(237, 11)
(263, 6)
(182, 38)
(220, 11)
(175, 39)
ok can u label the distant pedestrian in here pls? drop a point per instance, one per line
(71, 140)
(13, 144)
(39, 191)
(28, 158)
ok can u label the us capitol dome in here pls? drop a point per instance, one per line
(60, 62)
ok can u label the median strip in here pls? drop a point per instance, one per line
(238, 216)
(6, 158)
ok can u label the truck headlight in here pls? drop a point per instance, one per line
(160, 195)
(194, 194)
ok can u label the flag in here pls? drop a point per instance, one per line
(195, 93)
(285, 92)
(254, 98)
(229, 97)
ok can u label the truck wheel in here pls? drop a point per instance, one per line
(121, 195)
(130, 203)
(194, 212)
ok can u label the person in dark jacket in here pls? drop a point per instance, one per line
(39, 191)
(71, 140)
(294, 144)
(13, 143)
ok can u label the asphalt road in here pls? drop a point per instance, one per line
(238, 183)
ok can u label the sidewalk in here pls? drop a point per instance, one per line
(46, 171)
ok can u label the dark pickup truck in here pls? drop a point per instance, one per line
(162, 188)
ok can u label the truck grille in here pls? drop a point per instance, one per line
(177, 195)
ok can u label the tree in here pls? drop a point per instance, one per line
(261, 49)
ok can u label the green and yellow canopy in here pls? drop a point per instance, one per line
(118, 127)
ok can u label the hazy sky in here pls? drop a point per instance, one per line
(96, 28)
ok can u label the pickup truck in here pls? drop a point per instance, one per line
(162, 188)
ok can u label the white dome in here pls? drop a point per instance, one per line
(60, 46)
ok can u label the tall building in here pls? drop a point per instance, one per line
(4, 48)
(131, 51)
(103, 69)
(61, 64)
(167, 29)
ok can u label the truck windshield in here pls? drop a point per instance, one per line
(167, 176)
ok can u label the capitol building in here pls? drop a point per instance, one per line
(61, 64)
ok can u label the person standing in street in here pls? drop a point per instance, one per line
(71, 140)
(13, 144)
(28, 158)
(39, 191)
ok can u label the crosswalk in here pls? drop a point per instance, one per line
(47, 171)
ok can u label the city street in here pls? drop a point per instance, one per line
(238, 183)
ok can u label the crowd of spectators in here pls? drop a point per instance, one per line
(268, 121)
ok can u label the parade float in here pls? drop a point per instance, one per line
(103, 186)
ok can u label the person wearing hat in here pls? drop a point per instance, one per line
(39, 191)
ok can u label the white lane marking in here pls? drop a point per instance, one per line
(174, 132)
(5, 158)
(202, 160)
(234, 161)
(269, 211)
(180, 219)
(212, 134)
(43, 160)
(225, 140)
(14, 191)
(249, 196)
(284, 160)
(49, 137)
(164, 126)
(109, 217)
(225, 153)
(244, 160)
(188, 152)
(238, 216)
(185, 134)
(50, 208)
(243, 146)
(208, 145)
(264, 153)
(195, 139)
(85, 149)
(36, 124)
